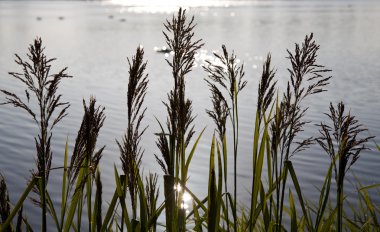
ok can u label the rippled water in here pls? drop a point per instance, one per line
(93, 39)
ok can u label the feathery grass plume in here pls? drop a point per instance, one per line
(4, 201)
(130, 149)
(85, 160)
(152, 191)
(266, 89)
(43, 85)
(179, 38)
(179, 107)
(84, 155)
(220, 111)
(228, 76)
(342, 143)
(306, 78)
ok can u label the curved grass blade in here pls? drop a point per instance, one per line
(110, 212)
(191, 154)
(52, 210)
(19, 203)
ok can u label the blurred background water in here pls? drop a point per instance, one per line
(93, 39)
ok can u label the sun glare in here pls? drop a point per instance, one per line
(168, 6)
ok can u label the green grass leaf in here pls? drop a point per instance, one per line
(19, 203)
(64, 185)
(293, 213)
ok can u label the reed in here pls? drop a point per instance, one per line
(306, 79)
(342, 142)
(173, 143)
(227, 77)
(219, 114)
(265, 99)
(84, 164)
(130, 150)
(41, 87)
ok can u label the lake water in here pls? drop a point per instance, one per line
(93, 39)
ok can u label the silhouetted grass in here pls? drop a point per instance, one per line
(228, 77)
(173, 142)
(278, 123)
(342, 143)
(43, 86)
(4, 201)
(130, 150)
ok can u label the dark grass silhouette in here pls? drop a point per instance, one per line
(343, 143)
(134, 205)
(227, 77)
(40, 86)
(130, 149)
(173, 143)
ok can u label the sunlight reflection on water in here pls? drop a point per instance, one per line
(169, 6)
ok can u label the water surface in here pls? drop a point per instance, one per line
(93, 39)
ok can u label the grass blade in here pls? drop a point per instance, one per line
(143, 205)
(212, 191)
(64, 185)
(19, 204)
(97, 212)
(191, 154)
(293, 213)
(323, 200)
(120, 192)
(74, 201)
(110, 212)
(292, 173)
(50, 204)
